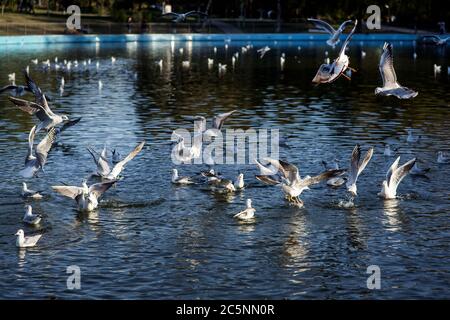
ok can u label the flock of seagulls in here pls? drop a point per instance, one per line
(272, 172)
(53, 124)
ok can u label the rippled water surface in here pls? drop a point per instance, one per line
(150, 239)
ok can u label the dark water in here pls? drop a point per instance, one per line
(150, 239)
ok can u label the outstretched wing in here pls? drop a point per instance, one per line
(323, 25)
(365, 161)
(119, 166)
(40, 98)
(194, 12)
(68, 124)
(68, 191)
(347, 41)
(400, 173)
(220, 119)
(270, 180)
(31, 108)
(98, 189)
(289, 171)
(387, 67)
(344, 25)
(44, 146)
(323, 176)
(392, 169)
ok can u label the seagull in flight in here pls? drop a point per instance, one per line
(356, 168)
(86, 196)
(394, 176)
(262, 52)
(103, 168)
(328, 73)
(181, 17)
(217, 123)
(335, 34)
(390, 85)
(34, 163)
(291, 183)
(438, 40)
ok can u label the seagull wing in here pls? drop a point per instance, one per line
(31, 108)
(344, 25)
(68, 191)
(365, 161)
(173, 14)
(270, 180)
(400, 173)
(194, 12)
(391, 170)
(354, 164)
(323, 25)
(289, 171)
(119, 166)
(44, 146)
(68, 124)
(8, 87)
(98, 189)
(39, 96)
(101, 163)
(220, 119)
(347, 41)
(387, 67)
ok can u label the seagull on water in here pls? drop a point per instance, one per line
(86, 196)
(388, 151)
(328, 73)
(335, 34)
(103, 168)
(394, 176)
(411, 138)
(248, 213)
(288, 178)
(334, 182)
(390, 85)
(416, 171)
(30, 218)
(356, 168)
(26, 242)
(35, 163)
(28, 193)
(442, 157)
(176, 179)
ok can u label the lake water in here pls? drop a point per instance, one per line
(152, 240)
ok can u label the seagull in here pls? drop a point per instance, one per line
(328, 73)
(27, 193)
(12, 78)
(210, 63)
(26, 242)
(115, 156)
(388, 152)
(30, 218)
(35, 61)
(35, 163)
(271, 170)
(113, 60)
(411, 138)
(159, 63)
(416, 171)
(86, 196)
(335, 34)
(290, 181)
(100, 85)
(181, 17)
(436, 68)
(438, 40)
(183, 153)
(15, 90)
(222, 68)
(180, 180)
(40, 107)
(239, 182)
(66, 125)
(217, 123)
(248, 213)
(394, 176)
(363, 54)
(335, 181)
(356, 168)
(390, 85)
(186, 64)
(262, 52)
(103, 168)
(442, 158)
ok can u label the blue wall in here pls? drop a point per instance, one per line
(47, 39)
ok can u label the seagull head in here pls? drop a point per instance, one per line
(65, 118)
(19, 233)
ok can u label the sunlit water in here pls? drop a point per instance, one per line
(150, 239)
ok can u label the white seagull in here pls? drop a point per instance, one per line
(328, 73)
(27, 193)
(442, 158)
(30, 218)
(390, 85)
(176, 179)
(262, 52)
(356, 168)
(248, 213)
(26, 242)
(394, 176)
(180, 17)
(86, 197)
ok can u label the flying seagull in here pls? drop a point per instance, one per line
(328, 73)
(262, 52)
(103, 168)
(35, 163)
(356, 168)
(335, 34)
(438, 40)
(181, 17)
(217, 123)
(390, 85)
(394, 176)
(291, 183)
(30, 218)
(246, 214)
(26, 242)
(86, 196)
